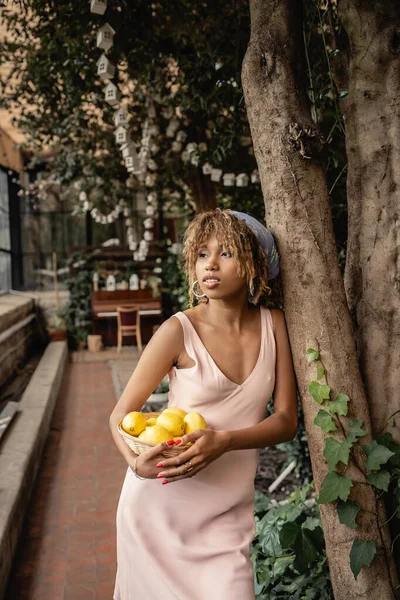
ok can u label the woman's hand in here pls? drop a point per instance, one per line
(207, 446)
(146, 464)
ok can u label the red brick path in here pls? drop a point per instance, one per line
(67, 547)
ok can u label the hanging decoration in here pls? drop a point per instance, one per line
(136, 164)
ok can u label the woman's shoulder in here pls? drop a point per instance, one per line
(277, 316)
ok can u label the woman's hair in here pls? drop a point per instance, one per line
(241, 242)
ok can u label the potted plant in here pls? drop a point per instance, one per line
(56, 328)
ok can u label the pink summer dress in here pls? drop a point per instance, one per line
(190, 540)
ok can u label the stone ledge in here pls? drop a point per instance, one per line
(14, 308)
(21, 450)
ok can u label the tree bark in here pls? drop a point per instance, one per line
(287, 147)
(372, 275)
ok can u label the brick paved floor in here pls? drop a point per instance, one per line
(67, 547)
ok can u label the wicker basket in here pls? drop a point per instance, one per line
(139, 447)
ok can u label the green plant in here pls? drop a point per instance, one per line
(382, 462)
(77, 313)
(288, 551)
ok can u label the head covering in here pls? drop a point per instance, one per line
(266, 240)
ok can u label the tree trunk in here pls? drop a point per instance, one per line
(298, 213)
(372, 276)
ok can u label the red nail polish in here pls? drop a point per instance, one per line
(164, 482)
(170, 443)
(178, 442)
(159, 465)
(160, 475)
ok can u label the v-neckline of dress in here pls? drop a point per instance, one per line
(239, 385)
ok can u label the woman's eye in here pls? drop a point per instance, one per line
(227, 253)
(201, 254)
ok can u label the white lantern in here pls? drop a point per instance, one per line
(242, 180)
(148, 235)
(203, 147)
(207, 168)
(128, 150)
(105, 69)
(105, 37)
(150, 211)
(144, 245)
(148, 223)
(255, 177)
(185, 156)
(111, 94)
(172, 127)
(121, 117)
(176, 146)
(216, 175)
(229, 179)
(121, 135)
(98, 7)
(152, 165)
(181, 136)
(132, 161)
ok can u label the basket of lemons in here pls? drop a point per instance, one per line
(142, 431)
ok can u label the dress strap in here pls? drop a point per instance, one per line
(188, 335)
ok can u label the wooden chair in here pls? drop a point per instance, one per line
(128, 319)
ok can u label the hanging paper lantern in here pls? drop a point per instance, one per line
(207, 168)
(148, 223)
(242, 180)
(121, 117)
(111, 94)
(98, 7)
(150, 211)
(105, 37)
(121, 135)
(216, 175)
(176, 146)
(148, 235)
(229, 179)
(181, 136)
(255, 176)
(105, 69)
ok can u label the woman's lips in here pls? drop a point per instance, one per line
(210, 283)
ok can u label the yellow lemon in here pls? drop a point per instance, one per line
(155, 435)
(194, 421)
(172, 423)
(176, 411)
(134, 423)
(152, 421)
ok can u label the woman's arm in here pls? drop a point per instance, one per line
(157, 359)
(282, 425)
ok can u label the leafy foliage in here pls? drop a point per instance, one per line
(336, 486)
(288, 552)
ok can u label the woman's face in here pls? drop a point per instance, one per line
(216, 271)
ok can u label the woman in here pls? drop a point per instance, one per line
(185, 524)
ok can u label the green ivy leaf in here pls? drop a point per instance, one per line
(386, 439)
(355, 431)
(335, 451)
(380, 480)
(320, 371)
(311, 523)
(319, 392)
(334, 486)
(306, 547)
(312, 355)
(288, 534)
(342, 94)
(339, 405)
(390, 422)
(377, 455)
(347, 512)
(361, 555)
(325, 421)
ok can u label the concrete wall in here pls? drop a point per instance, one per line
(18, 332)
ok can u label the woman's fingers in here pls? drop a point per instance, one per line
(182, 473)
